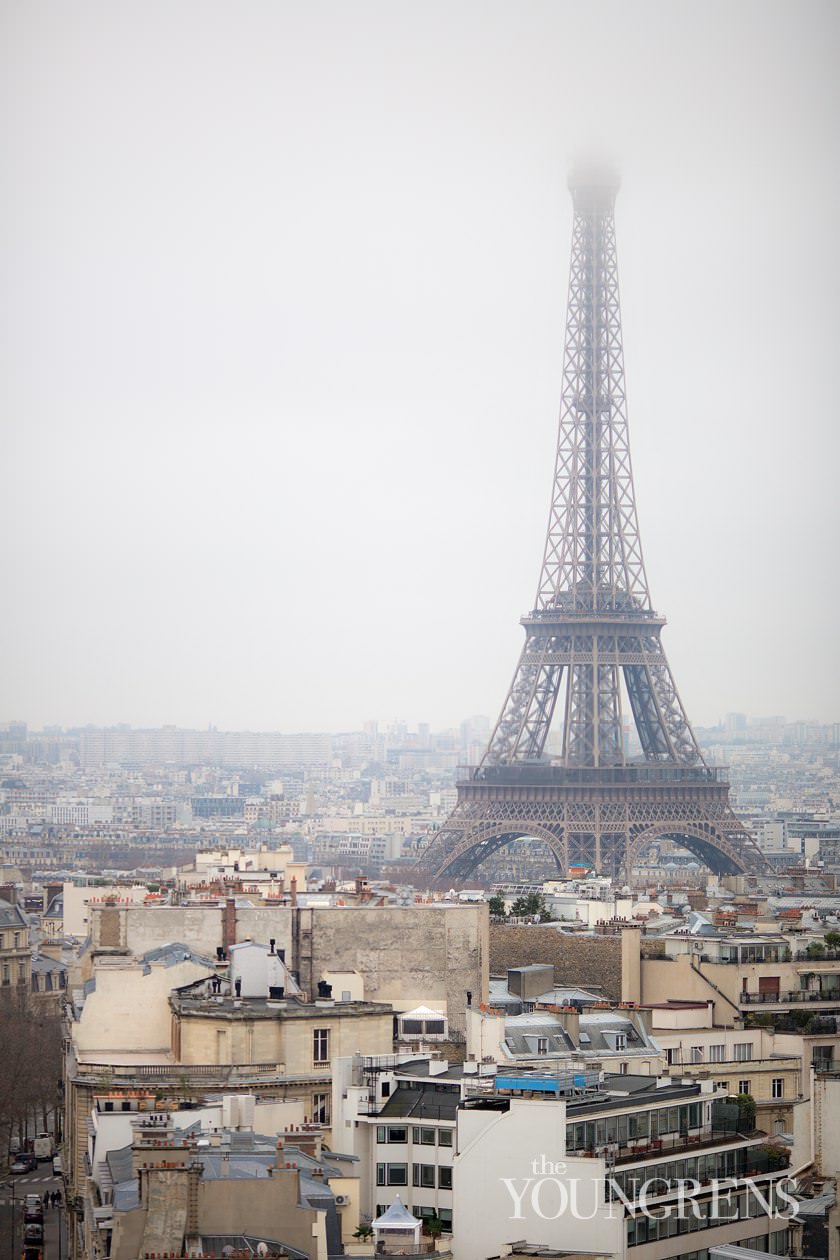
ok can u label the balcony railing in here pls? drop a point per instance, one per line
(773, 960)
(652, 1148)
(397, 1248)
(790, 995)
(184, 1074)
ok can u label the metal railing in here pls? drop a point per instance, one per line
(182, 1072)
(791, 995)
(668, 1144)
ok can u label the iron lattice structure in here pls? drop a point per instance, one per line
(592, 629)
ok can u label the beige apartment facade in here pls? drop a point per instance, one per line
(774, 1070)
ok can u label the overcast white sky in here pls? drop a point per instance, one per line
(283, 295)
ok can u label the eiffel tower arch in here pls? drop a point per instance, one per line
(592, 661)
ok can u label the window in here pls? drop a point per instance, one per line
(743, 1051)
(743, 1087)
(777, 1087)
(444, 1137)
(396, 1175)
(17, 940)
(386, 1089)
(672, 1054)
(397, 1133)
(696, 1054)
(426, 1137)
(621, 1041)
(5, 973)
(423, 1175)
(717, 1054)
(542, 1045)
(321, 1045)
(444, 1178)
(321, 1108)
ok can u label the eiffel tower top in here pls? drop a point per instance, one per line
(593, 188)
(593, 554)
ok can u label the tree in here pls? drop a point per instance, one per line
(816, 950)
(30, 1054)
(532, 906)
(832, 940)
(746, 1113)
(497, 907)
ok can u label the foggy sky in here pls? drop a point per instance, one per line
(283, 298)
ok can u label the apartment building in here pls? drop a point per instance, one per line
(773, 1068)
(397, 1116)
(744, 976)
(14, 945)
(167, 1029)
(605, 1168)
(617, 1039)
(188, 1183)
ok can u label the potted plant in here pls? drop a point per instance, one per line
(433, 1226)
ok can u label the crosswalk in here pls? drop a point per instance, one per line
(25, 1186)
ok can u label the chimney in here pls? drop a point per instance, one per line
(229, 923)
(570, 1019)
(293, 891)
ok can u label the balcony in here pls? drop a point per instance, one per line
(646, 1149)
(790, 996)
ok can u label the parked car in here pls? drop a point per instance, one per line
(33, 1234)
(24, 1163)
(33, 1208)
(35, 1252)
(58, 1166)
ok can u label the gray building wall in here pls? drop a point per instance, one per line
(433, 953)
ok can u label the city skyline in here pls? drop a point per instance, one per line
(403, 726)
(283, 354)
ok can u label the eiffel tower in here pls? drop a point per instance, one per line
(593, 628)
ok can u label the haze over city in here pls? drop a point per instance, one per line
(283, 321)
